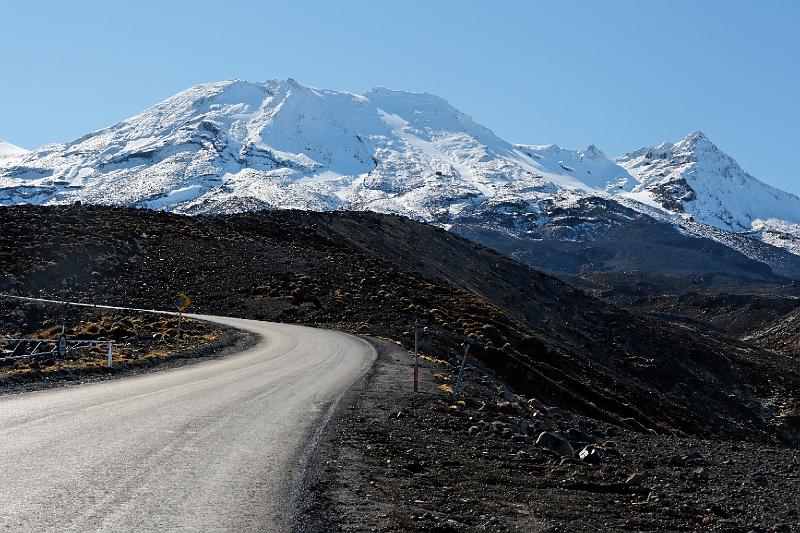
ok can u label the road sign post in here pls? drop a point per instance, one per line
(181, 303)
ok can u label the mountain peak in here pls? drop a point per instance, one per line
(696, 141)
(696, 136)
(695, 177)
(593, 152)
(694, 147)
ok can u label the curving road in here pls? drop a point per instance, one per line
(206, 447)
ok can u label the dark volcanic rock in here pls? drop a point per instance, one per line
(555, 443)
(370, 273)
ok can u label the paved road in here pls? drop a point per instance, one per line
(206, 447)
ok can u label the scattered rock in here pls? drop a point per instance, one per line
(556, 443)
(591, 455)
(579, 435)
(699, 474)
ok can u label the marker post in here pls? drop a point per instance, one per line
(461, 370)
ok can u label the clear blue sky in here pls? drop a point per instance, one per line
(619, 74)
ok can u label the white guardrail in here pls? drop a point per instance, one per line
(38, 352)
(77, 344)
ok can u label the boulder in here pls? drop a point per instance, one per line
(536, 404)
(591, 455)
(555, 442)
(699, 475)
(676, 460)
(694, 458)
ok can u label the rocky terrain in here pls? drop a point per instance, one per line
(760, 313)
(485, 459)
(659, 388)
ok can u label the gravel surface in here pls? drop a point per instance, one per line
(209, 447)
(392, 460)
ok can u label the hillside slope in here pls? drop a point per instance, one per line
(372, 273)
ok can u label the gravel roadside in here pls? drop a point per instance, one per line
(392, 460)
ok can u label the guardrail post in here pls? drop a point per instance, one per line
(110, 354)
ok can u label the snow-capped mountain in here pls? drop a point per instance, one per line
(693, 176)
(235, 146)
(9, 150)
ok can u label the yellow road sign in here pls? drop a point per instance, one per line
(183, 301)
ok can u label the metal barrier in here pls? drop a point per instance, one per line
(38, 350)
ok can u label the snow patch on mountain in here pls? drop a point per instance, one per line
(590, 167)
(9, 150)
